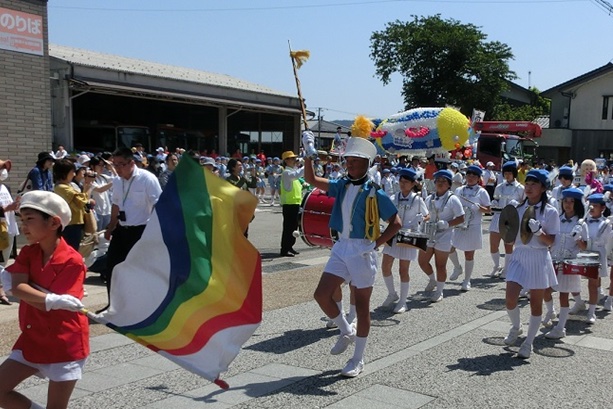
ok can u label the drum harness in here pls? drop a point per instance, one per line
(434, 210)
(601, 230)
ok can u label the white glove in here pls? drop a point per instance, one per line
(576, 232)
(535, 227)
(494, 203)
(308, 142)
(368, 249)
(6, 280)
(513, 202)
(607, 196)
(442, 225)
(63, 302)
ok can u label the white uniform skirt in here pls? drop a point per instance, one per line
(494, 223)
(400, 252)
(568, 283)
(532, 268)
(468, 240)
(442, 240)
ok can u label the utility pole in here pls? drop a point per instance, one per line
(529, 79)
(319, 118)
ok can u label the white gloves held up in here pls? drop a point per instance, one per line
(535, 227)
(308, 142)
(442, 225)
(63, 302)
(576, 232)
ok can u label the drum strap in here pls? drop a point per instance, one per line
(433, 208)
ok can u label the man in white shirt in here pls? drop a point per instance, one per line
(490, 179)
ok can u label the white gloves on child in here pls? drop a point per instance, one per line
(308, 142)
(513, 202)
(442, 225)
(63, 302)
(535, 227)
(369, 248)
(576, 232)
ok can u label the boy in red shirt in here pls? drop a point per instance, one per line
(47, 277)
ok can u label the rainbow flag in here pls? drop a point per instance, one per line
(191, 288)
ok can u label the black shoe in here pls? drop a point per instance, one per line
(294, 252)
(286, 254)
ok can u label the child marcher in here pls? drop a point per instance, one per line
(412, 211)
(469, 237)
(596, 236)
(47, 277)
(530, 266)
(565, 247)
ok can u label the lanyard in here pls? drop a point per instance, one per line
(125, 193)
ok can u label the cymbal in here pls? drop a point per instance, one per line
(508, 224)
(524, 230)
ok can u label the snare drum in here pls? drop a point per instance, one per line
(589, 255)
(409, 238)
(558, 266)
(496, 209)
(315, 219)
(582, 266)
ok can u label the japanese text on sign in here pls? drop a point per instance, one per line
(21, 32)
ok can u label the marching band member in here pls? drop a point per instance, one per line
(445, 211)
(565, 176)
(596, 236)
(565, 247)
(476, 201)
(530, 266)
(412, 210)
(389, 184)
(358, 206)
(510, 192)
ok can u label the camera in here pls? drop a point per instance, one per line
(91, 175)
(122, 216)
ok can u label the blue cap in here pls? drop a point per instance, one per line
(608, 187)
(275, 158)
(596, 198)
(408, 173)
(386, 171)
(258, 161)
(539, 174)
(444, 173)
(572, 192)
(509, 165)
(394, 169)
(245, 157)
(565, 171)
(474, 169)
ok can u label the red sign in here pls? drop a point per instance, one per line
(21, 32)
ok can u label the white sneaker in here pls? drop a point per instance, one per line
(608, 304)
(353, 368)
(331, 324)
(431, 286)
(514, 333)
(556, 333)
(524, 351)
(523, 293)
(465, 286)
(85, 293)
(343, 342)
(456, 273)
(503, 274)
(437, 296)
(548, 318)
(577, 308)
(495, 272)
(390, 299)
(591, 318)
(400, 308)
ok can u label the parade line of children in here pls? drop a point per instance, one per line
(565, 223)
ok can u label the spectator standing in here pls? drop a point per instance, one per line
(171, 163)
(61, 152)
(490, 179)
(40, 176)
(134, 193)
(101, 193)
(291, 197)
(7, 211)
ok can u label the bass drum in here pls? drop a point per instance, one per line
(316, 210)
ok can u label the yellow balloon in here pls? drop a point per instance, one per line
(451, 124)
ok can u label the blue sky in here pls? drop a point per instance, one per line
(555, 40)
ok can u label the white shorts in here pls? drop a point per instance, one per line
(350, 261)
(59, 372)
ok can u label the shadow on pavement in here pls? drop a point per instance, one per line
(292, 340)
(488, 364)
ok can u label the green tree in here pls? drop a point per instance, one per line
(442, 62)
(506, 112)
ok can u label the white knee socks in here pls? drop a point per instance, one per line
(563, 317)
(454, 259)
(389, 283)
(469, 266)
(514, 317)
(533, 327)
(404, 291)
(360, 346)
(496, 259)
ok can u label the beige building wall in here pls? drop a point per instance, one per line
(25, 102)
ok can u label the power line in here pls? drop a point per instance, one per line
(605, 5)
(355, 3)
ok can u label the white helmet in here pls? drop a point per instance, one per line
(360, 148)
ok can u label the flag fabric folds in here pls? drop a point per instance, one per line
(191, 287)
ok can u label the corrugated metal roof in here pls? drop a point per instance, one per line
(131, 65)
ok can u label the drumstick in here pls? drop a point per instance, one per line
(475, 203)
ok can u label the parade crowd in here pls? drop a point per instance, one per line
(412, 208)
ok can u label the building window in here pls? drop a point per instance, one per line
(605, 107)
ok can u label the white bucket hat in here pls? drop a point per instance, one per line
(360, 148)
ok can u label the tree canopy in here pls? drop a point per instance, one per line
(442, 62)
(506, 112)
